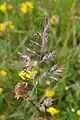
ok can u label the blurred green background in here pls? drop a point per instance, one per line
(63, 36)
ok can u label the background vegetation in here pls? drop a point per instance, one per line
(63, 36)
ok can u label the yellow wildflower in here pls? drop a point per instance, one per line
(2, 26)
(22, 74)
(30, 74)
(78, 112)
(29, 5)
(11, 25)
(1, 90)
(3, 73)
(3, 7)
(9, 7)
(24, 8)
(49, 93)
(52, 110)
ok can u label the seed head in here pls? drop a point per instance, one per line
(21, 90)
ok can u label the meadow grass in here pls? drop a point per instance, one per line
(63, 37)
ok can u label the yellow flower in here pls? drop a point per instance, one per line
(49, 93)
(30, 74)
(3, 73)
(5, 24)
(11, 25)
(2, 26)
(24, 8)
(52, 110)
(29, 5)
(3, 7)
(22, 74)
(1, 90)
(9, 7)
(78, 112)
